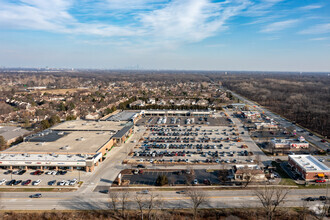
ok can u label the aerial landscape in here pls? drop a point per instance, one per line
(164, 109)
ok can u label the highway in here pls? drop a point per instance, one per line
(93, 201)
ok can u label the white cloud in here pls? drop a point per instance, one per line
(310, 7)
(261, 8)
(280, 25)
(317, 29)
(191, 20)
(319, 39)
(133, 4)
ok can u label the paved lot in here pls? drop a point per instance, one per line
(174, 177)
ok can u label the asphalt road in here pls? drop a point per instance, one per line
(94, 201)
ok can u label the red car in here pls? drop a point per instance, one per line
(27, 182)
(37, 172)
(320, 180)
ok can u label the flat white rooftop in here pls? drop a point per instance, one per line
(82, 125)
(71, 142)
(43, 159)
(309, 163)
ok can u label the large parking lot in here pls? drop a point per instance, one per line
(192, 143)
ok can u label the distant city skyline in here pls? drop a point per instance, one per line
(231, 35)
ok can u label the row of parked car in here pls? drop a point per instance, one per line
(147, 153)
(14, 182)
(36, 172)
(15, 172)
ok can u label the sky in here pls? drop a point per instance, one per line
(258, 35)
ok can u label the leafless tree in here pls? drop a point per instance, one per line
(123, 196)
(197, 199)
(149, 203)
(304, 211)
(271, 199)
(189, 175)
(153, 202)
(139, 200)
(113, 199)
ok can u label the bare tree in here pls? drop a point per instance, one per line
(113, 200)
(197, 199)
(139, 200)
(123, 196)
(271, 198)
(153, 202)
(304, 211)
(149, 203)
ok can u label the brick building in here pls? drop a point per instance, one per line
(308, 167)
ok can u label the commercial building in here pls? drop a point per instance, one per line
(70, 145)
(289, 143)
(265, 126)
(248, 172)
(308, 167)
(176, 113)
(12, 133)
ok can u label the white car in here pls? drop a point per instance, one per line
(195, 181)
(48, 173)
(2, 181)
(62, 183)
(73, 182)
(54, 172)
(66, 183)
(36, 183)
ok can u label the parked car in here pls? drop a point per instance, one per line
(320, 180)
(136, 171)
(37, 172)
(11, 182)
(27, 182)
(16, 172)
(61, 183)
(7, 172)
(2, 181)
(73, 182)
(21, 172)
(51, 183)
(38, 195)
(36, 183)
(195, 181)
(18, 182)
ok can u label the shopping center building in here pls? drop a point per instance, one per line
(77, 144)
